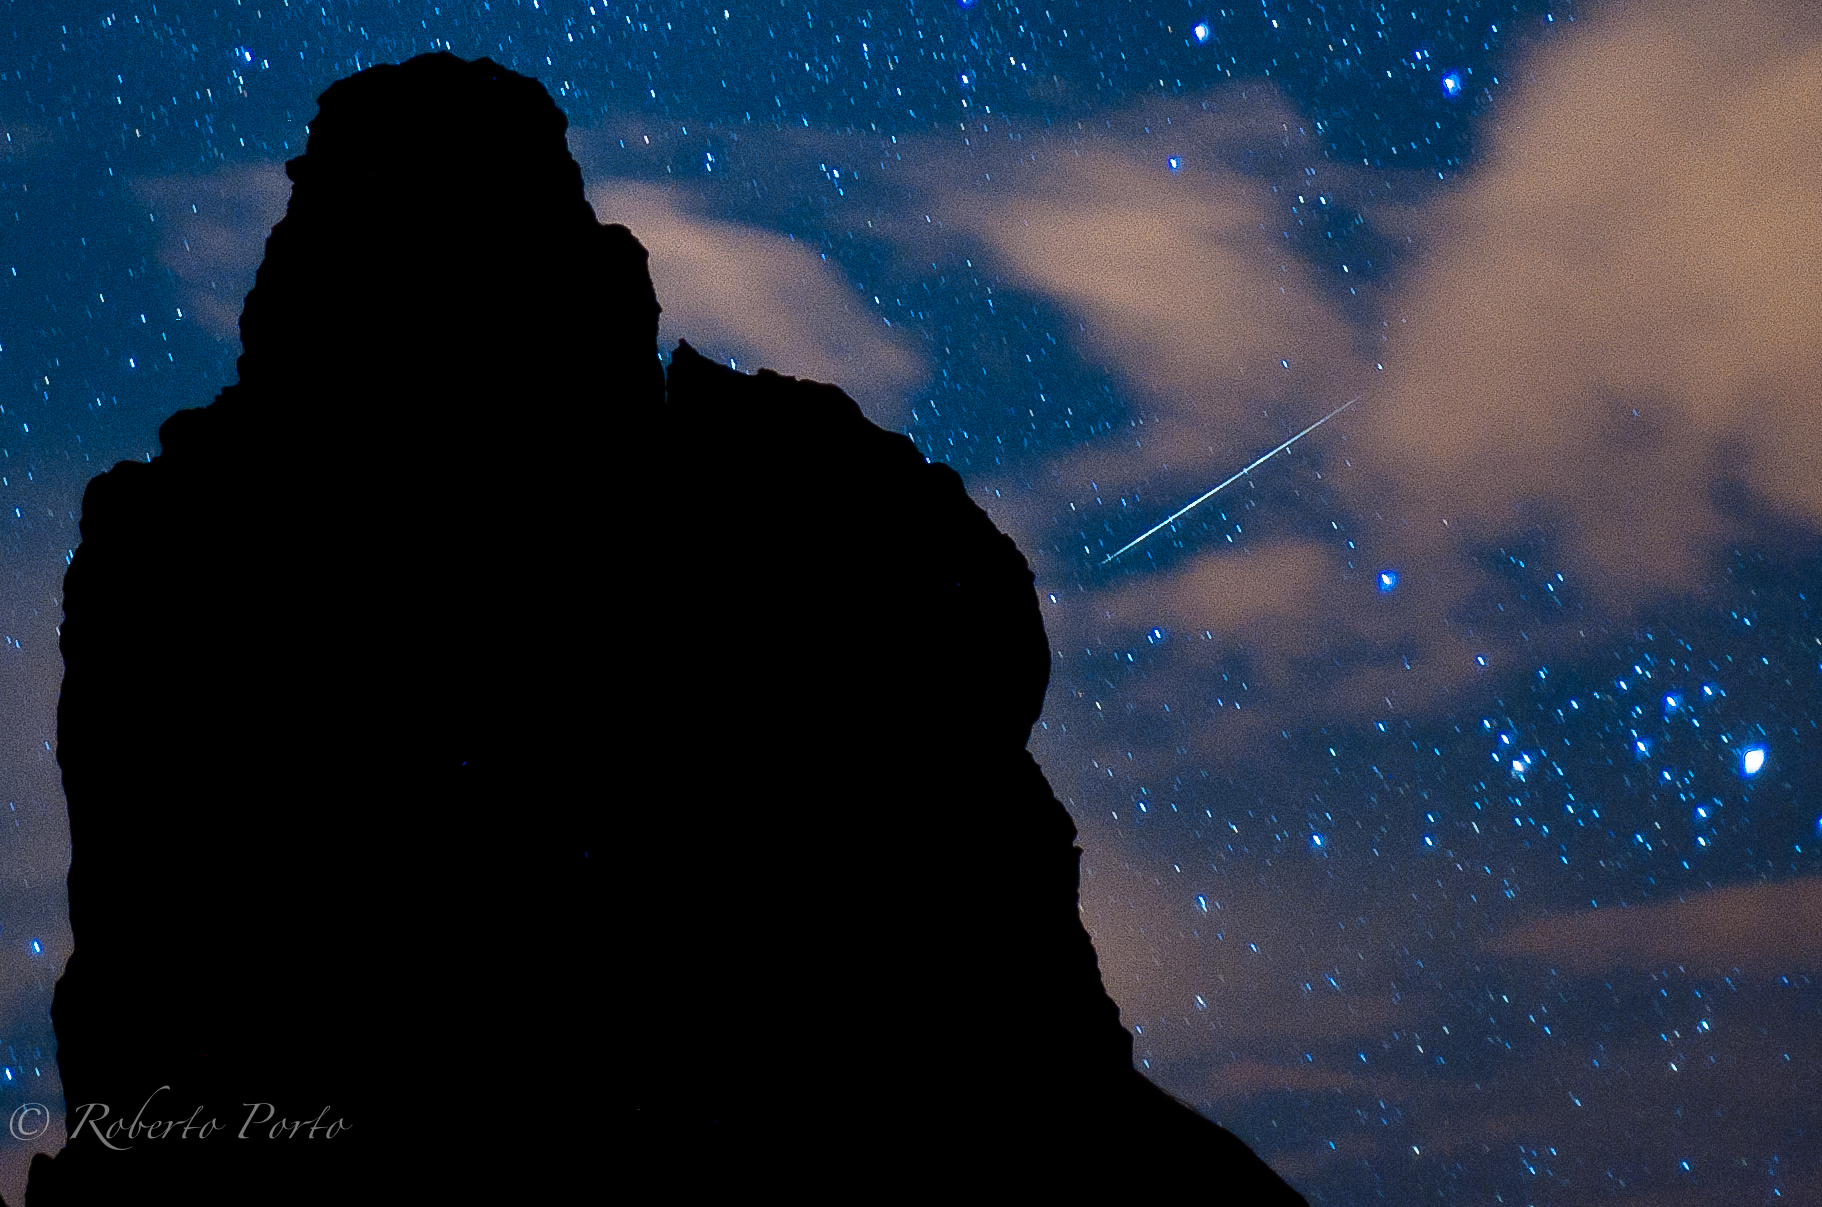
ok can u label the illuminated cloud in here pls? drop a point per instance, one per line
(1323, 640)
(1602, 339)
(212, 236)
(762, 300)
(1180, 276)
(1161, 231)
(1249, 977)
(1230, 592)
(1248, 1078)
(1757, 928)
(1616, 311)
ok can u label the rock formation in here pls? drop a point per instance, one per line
(859, 888)
(561, 785)
(332, 723)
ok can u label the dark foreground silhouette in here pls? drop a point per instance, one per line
(491, 781)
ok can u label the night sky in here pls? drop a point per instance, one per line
(1449, 785)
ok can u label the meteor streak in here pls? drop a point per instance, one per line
(1191, 506)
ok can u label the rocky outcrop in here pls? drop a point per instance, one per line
(332, 723)
(871, 973)
(469, 745)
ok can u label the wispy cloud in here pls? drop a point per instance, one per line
(762, 299)
(1598, 344)
(22, 140)
(212, 235)
(1616, 311)
(1754, 928)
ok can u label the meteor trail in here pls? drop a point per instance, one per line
(1189, 507)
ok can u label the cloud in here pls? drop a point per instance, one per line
(761, 299)
(1182, 278)
(1183, 294)
(22, 140)
(213, 230)
(1261, 975)
(1600, 342)
(1248, 1078)
(1229, 592)
(1758, 928)
(1163, 230)
(1617, 308)
(1318, 637)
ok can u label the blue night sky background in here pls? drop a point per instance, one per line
(1449, 786)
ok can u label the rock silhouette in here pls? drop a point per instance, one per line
(875, 975)
(330, 730)
(439, 763)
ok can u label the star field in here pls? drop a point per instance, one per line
(1448, 785)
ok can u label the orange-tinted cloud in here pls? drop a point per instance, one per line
(1758, 928)
(1257, 971)
(212, 236)
(1181, 279)
(1617, 309)
(1185, 289)
(762, 300)
(1602, 337)
(1246, 1078)
(1311, 626)
(1231, 591)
